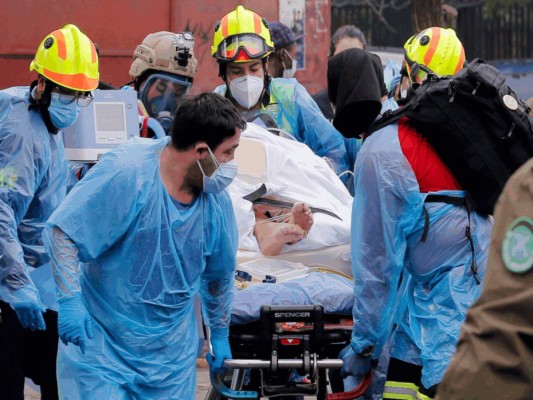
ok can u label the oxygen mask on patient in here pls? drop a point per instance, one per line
(221, 176)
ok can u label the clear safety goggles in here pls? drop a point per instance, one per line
(67, 96)
(254, 46)
(163, 92)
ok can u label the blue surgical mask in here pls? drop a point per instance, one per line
(221, 178)
(63, 115)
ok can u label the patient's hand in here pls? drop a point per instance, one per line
(272, 236)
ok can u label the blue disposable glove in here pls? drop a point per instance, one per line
(74, 322)
(354, 366)
(30, 314)
(221, 351)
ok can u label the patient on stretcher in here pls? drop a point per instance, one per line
(285, 197)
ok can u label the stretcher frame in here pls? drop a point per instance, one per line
(310, 358)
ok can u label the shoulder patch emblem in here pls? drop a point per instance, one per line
(517, 246)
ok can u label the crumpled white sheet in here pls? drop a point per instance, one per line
(294, 173)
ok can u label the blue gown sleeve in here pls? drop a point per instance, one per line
(319, 134)
(19, 177)
(64, 262)
(99, 210)
(217, 281)
(391, 74)
(385, 209)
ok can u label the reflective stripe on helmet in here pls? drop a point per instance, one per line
(257, 24)
(461, 61)
(433, 44)
(71, 81)
(61, 45)
(224, 26)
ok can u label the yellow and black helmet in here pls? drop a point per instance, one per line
(433, 50)
(68, 58)
(241, 36)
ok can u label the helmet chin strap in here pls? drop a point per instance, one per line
(267, 77)
(43, 103)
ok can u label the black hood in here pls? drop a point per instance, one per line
(355, 86)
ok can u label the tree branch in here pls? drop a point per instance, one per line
(379, 14)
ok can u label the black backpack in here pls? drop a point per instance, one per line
(477, 125)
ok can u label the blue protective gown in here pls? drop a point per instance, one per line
(387, 227)
(33, 172)
(391, 74)
(295, 111)
(143, 260)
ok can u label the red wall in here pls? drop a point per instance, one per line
(117, 26)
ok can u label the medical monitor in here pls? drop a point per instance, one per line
(109, 120)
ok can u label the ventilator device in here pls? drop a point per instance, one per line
(108, 121)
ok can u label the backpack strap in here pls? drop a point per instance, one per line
(444, 198)
(468, 234)
(458, 201)
(388, 117)
(440, 198)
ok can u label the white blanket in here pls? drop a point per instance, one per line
(294, 173)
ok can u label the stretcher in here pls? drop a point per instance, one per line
(277, 169)
(285, 337)
(282, 349)
(336, 257)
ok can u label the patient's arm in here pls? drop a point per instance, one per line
(271, 236)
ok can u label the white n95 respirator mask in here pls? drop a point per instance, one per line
(289, 73)
(246, 90)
